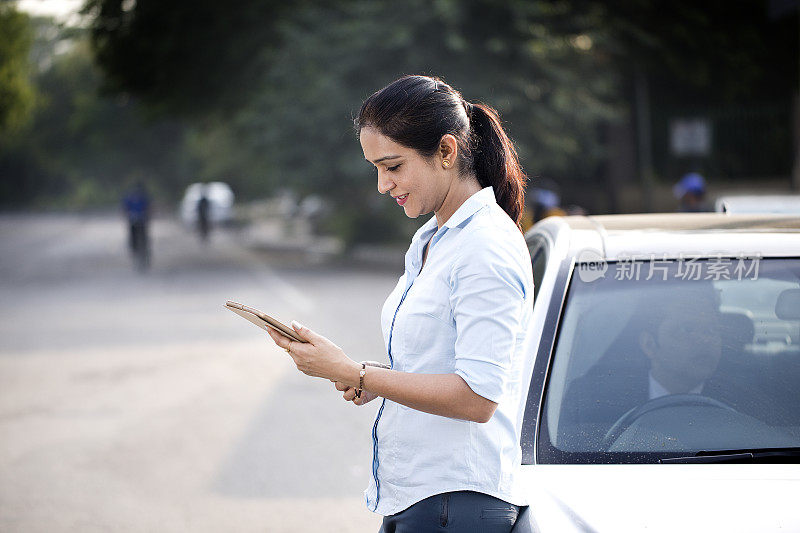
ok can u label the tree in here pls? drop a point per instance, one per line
(16, 92)
(551, 88)
(271, 88)
(185, 57)
(80, 148)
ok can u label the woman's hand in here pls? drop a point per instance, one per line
(319, 357)
(349, 394)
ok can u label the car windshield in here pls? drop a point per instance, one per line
(662, 358)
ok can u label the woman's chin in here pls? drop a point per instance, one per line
(410, 213)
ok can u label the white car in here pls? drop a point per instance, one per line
(664, 390)
(750, 203)
(220, 197)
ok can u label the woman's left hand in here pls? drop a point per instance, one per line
(349, 394)
(319, 357)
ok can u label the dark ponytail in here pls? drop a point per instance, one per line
(495, 162)
(417, 111)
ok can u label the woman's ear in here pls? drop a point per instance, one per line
(448, 150)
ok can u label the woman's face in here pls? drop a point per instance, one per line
(415, 182)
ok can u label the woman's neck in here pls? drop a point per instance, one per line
(459, 192)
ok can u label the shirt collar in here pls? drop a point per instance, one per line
(473, 204)
(657, 389)
(430, 230)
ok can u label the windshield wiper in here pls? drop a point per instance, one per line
(753, 455)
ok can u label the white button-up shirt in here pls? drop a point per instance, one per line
(467, 312)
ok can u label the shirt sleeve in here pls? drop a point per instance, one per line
(487, 295)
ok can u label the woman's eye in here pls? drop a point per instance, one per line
(392, 169)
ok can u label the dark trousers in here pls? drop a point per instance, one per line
(462, 512)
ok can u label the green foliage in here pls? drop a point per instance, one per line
(262, 94)
(16, 92)
(296, 132)
(704, 52)
(188, 57)
(80, 149)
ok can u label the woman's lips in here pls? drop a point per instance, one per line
(401, 199)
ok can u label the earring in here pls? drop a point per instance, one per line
(445, 163)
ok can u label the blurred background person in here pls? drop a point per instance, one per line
(690, 192)
(541, 201)
(136, 205)
(203, 215)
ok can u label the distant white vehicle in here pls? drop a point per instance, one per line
(753, 204)
(220, 197)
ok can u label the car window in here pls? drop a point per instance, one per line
(676, 357)
(539, 259)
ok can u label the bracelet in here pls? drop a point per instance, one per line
(361, 375)
(363, 372)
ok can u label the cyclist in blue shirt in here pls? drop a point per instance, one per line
(137, 211)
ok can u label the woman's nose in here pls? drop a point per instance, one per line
(384, 184)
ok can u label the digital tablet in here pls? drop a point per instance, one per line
(262, 320)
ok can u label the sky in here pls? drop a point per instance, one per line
(63, 10)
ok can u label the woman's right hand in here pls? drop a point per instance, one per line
(349, 394)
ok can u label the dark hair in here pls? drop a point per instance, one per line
(417, 111)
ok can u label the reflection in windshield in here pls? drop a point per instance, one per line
(677, 365)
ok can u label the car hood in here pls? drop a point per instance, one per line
(616, 498)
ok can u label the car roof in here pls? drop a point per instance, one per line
(677, 234)
(783, 203)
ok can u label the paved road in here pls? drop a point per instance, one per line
(138, 403)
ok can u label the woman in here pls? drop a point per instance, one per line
(446, 435)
